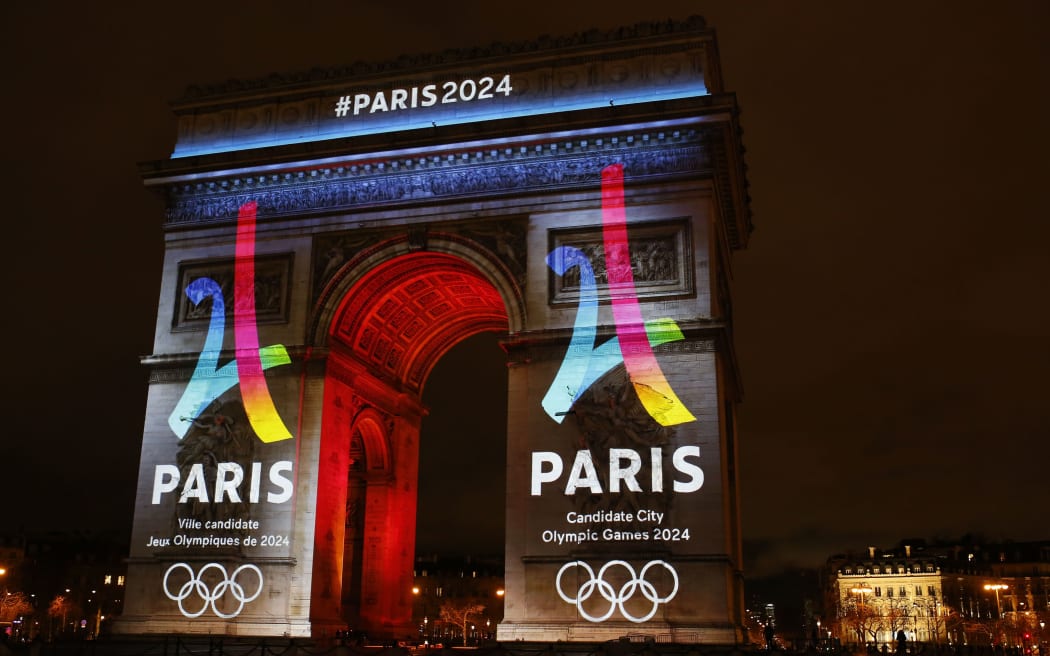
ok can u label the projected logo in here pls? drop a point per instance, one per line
(617, 592)
(209, 381)
(210, 585)
(584, 363)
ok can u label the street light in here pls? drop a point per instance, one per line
(423, 629)
(861, 591)
(997, 587)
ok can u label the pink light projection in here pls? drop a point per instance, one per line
(209, 381)
(584, 363)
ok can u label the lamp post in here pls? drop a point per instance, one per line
(997, 587)
(861, 591)
(423, 597)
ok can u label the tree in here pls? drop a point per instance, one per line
(954, 625)
(62, 607)
(13, 605)
(458, 613)
(862, 619)
(899, 616)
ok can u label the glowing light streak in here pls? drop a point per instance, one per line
(652, 387)
(584, 363)
(257, 401)
(209, 381)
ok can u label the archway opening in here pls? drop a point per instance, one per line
(463, 450)
(393, 326)
(461, 521)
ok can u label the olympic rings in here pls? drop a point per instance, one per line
(616, 598)
(208, 596)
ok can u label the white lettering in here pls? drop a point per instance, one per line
(280, 481)
(656, 467)
(165, 479)
(379, 103)
(617, 473)
(361, 101)
(583, 474)
(225, 486)
(695, 474)
(624, 467)
(645, 515)
(539, 476)
(227, 483)
(195, 487)
(466, 90)
(429, 97)
(253, 490)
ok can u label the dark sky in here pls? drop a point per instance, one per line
(891, 310)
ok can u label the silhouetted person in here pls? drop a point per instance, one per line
(902, 639)
(769, 637)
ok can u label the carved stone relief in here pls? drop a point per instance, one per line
(609, 415)
(480, 173)
(222, 433)
(272, 278)
(661, 261)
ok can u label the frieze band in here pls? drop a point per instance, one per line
(428, 179)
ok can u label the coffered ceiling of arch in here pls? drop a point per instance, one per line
(402, 316)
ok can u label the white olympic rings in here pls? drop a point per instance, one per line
(196, 584)
(616, 598)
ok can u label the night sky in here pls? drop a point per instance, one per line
(891, 310)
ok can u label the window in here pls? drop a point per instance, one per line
(120, 580)
(849, 570)
(929, 568)
(918, 591)
(889, 591)
(930, 591)
(108, 580)
(877, 570)
(878, 590)
(904, 591)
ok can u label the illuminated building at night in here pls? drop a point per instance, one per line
(328, 238)
(965, 594)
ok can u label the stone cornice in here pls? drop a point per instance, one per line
(469, 173)
(179, 367)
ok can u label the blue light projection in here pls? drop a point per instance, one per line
(412, 106)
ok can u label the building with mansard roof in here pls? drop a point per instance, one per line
(967, 593)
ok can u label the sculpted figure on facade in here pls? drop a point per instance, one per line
(220, 434)
(609, 413)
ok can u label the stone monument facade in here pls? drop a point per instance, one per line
(328, 237)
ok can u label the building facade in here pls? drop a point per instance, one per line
(967, 593)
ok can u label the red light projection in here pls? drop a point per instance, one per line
(394, 324)
(401, 317)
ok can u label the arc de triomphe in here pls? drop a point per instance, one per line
(329, 237)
